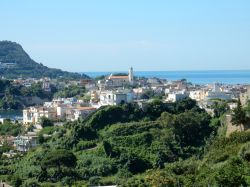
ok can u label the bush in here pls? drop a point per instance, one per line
(45, 122)
(231, 174)
(244, 152)
(31, 182)
(95, 180)
(85, 145)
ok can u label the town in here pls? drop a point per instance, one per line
(124, 93)
(113, 89)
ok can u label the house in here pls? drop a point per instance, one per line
(33, 114)
(25, 142)
(197, 95)
(79, 112)
(245, 96)
(46, 85)
(217, 93)
(94, 97)
(89, 84)
(115, 97)
(154, 82)
(173, 97)
(138, 92)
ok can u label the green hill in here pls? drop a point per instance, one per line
(160, 145)
(15, 62)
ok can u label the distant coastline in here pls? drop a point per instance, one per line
(196, 77)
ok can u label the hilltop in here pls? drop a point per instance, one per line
(15, 63)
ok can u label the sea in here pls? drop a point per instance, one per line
(196, 77)
(11, 114)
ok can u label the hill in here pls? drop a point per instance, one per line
(15, 62)
(163, 144)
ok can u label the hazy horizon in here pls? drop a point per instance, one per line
(94, 36)
(124, 71)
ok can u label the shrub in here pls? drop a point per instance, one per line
(244, 152)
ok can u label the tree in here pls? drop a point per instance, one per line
(185, 104)
(41, 139)
(220, 108)
(46, 122)
(58, 158)
(166, 119)
(107, 148)
(192, 127)
(247, 109)
(231, 174)
(239, 115)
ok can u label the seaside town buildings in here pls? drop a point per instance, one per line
(116, 89)
(68, 109)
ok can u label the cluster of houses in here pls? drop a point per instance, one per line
(69, 109)
(116, 89)
(21, 143)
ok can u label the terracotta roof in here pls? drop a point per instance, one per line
(85, 108)
(119, 77)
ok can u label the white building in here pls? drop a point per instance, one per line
(173, 97)
(59, 109)
(197, 95)
(79, 112)
(117, 80)
(218, 95)
(46, 84)
(33, 114)
(115, 97)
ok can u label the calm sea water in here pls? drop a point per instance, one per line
(11, 114)
(197, 77)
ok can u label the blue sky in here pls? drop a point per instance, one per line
(112, 35)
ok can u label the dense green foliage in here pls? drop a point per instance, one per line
(239, 116)
(13, 96)
(7, 128)
(220, 107)
(71, 91)
(159, 145)
(11, 52)
(45, 122)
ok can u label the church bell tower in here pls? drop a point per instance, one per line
(131, 75)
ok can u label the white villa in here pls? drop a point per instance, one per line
(115, 97)
(173, 97)
(33, 114)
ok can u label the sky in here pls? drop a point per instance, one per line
(112, 35)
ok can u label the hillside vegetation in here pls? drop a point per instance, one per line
(13, 97)
(160, 145)
(11, 52)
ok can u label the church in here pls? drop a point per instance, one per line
(117, 80)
